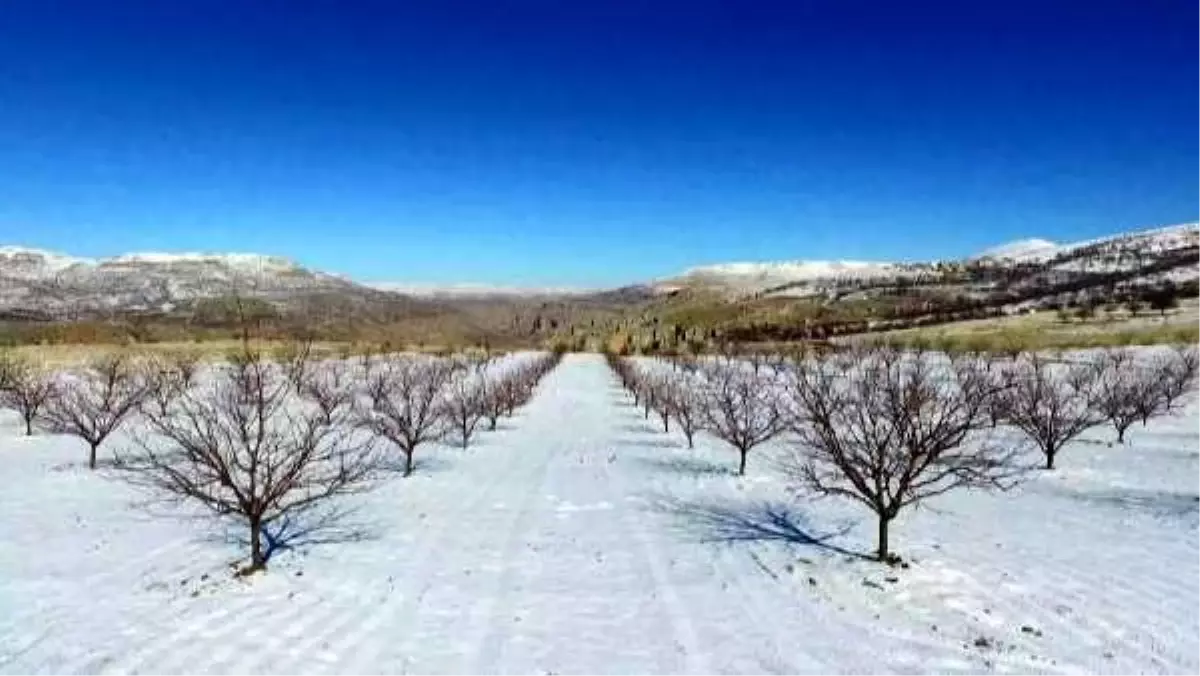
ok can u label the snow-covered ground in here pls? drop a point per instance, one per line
(579, 538)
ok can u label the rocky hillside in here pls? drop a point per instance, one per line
(44, 285)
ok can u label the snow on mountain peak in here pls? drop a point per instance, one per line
(236, 260)
(1021, 249)
(797, 269)
(38, 259)
(756, 276)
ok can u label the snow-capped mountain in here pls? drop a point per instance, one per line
(36, 283)
(1022, 249)
(754, 277)
(51, 284)
(1116, 252)
(468, 290)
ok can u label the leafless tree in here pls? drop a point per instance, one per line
(739, 408)
(185, 363)
(464, 405)
(8, 363)
(647, 394)
(26, 390)
(1176, 373)
(92, 403)
(510, 390)
(405, 404)
(492, 399)
(295, 357)
(163, 385)
(367, 358)
(685, 401)
(245, 446)
(662, 398)
(328, 385)
(893, 430)
(1125, 391)
(1052, 403)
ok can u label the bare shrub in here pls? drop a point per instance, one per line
(91, 404)
(245, 446)
(739, 408)
(893, 430)
(1052, 403)
(405, 405)
(26, 390)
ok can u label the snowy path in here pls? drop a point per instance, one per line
(579, 538)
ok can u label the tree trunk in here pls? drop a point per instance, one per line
(689, 439)
(408, 464)
(742, 463)
(92, 455)
(258, 559)
(29, 426)
(666, 424)
(1120, 435)
(881, 545)
(1050, 459)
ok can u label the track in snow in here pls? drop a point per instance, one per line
(576, 539)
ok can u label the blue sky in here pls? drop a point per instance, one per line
(589, 144)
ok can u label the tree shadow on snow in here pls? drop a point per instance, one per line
(686, 465)
(81, 465)
(639, 426)
(328, 526)
(429, 463)
(731, 523)
(1158, 503)
(646, 442)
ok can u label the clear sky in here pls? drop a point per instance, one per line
(589, 144)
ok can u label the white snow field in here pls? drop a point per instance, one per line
(580, 539)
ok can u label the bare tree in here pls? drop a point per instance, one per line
(739, 408)
(330, 387)
(511, 394)
(8, 363)
(94, 402)
(295, 357)
(26, 390)
(1052, 403)
(1176, 374)
(185, 363)
(1125, 391)
(246, 447)
(893, 430)
(405, 404)
(163, 385)
(660, 387)
(492, 399)
(464, 405)
(683, 397)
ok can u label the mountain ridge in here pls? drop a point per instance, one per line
(53, 283)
